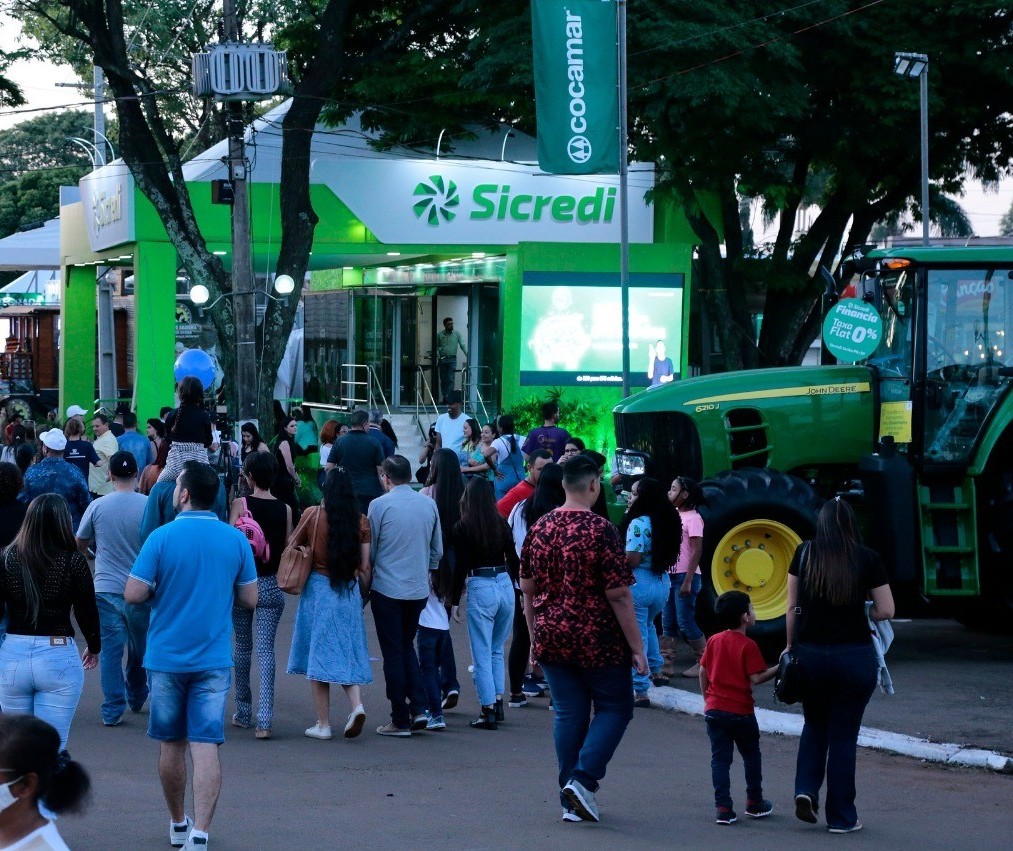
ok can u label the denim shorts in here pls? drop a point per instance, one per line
(189, 706)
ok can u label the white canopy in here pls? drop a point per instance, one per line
(38, 248)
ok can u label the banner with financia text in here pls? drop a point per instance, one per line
(576, 85)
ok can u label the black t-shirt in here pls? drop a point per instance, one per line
(80, 453)
(822, 622)
(272, 515)
(360, 454)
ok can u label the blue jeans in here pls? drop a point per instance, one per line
(679, 615)
(649, 595)
(397, 623)
(839, 680)
(585, 744)
(189, 706)
(726, 729)
(123, 625)
(41, 679)
(432, 644)
(490, 620)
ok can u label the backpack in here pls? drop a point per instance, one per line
(254, 534)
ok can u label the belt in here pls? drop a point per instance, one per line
(487, 572)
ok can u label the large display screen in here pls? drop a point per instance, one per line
(571, 328)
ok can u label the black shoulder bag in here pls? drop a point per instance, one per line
(789, 685)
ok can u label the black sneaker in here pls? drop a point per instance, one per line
(805, 808)
(419, 722)
(532, 688)
(725, 815)
(759, 809)
(517, 701)
(450, 701)
(642, 701)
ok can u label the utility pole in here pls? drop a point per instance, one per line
(243, 293)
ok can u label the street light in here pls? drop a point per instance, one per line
(284, 284)
(916, 65)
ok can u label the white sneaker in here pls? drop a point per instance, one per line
(320, 731)
(195, 843)
(582, 799)
(179, 833)
(354, 724)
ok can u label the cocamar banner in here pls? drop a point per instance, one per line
(576, 85)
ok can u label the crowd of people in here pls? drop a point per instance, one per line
(181, 603)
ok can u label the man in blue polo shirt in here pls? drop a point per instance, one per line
(193, 569)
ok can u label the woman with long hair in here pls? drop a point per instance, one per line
(285, 453)
(678, 618)
(548, 496)
(829, 582)
(275, 521)
(509, 458)
(43, 578)
(250, 442)
(329, 640)
(188, 428)
(653, 532)
(34, 770)
(151, 473)
(445, 486)
(487, 560)
(477, 453)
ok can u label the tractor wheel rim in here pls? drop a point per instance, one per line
(754, 557)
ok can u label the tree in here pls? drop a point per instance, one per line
(108, 32)
(1006, 223)
(36, 159)
(796, 106)
(10, 92)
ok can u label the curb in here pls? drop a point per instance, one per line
(790, 724)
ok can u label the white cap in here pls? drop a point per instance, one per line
(54, 439)
(75, 411)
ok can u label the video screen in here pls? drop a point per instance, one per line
(571, 329)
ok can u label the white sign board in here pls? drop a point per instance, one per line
(107, 195)
(478, 202)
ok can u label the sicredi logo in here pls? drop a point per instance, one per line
(496, 202)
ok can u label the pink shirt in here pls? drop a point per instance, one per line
(692, 527)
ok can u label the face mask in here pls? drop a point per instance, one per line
(7, 798)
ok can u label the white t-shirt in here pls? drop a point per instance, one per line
(518, 526)
(502, 446)
(46, 838)
(451, 431)
(434, 615)
(325, 450)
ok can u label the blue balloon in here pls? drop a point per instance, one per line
(195, 362)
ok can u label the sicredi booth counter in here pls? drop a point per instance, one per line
(526, 264)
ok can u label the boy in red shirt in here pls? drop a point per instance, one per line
(729, 668)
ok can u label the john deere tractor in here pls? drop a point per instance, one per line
(917, 436)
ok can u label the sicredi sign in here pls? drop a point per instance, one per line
(455, 202)
(107, 195)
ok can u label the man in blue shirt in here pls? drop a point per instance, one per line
(194, 570)
(54, 474)
(136, 444)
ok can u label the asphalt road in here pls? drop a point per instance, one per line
(466, 788)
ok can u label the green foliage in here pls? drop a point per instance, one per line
(43, 143)
(592, 423)
(1006, 223)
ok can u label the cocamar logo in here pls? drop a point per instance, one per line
(494, 201)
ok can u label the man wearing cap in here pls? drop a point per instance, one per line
(105, 447)
(450, 426)
(53, 474)
(76, 411)
(114, 524)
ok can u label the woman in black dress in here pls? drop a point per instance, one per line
(285, 453)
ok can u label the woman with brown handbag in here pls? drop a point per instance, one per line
(329, 641)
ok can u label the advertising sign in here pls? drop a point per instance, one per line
(852, 330)
(464, 202)
(576, 85)
(107, 195)
(571, 327)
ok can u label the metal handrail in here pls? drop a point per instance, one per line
(420, 399)
(465, 374)
(371, 383)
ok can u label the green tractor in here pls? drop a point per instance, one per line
(918, 438)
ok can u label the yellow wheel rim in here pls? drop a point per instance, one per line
(754, 557)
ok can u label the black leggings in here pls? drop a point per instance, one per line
(520, 647)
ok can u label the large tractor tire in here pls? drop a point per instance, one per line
(753, 522)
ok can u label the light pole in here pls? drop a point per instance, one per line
(917, 65)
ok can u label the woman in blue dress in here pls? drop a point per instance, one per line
(329, 640)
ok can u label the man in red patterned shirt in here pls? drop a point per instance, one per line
(583, 633)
